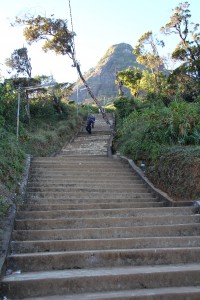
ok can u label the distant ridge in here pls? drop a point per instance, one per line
(101, 78)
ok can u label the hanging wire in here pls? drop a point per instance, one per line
(72, 29)
(70, 11)
(76, 64)
(74, 54)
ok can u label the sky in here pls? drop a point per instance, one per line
(98, 25)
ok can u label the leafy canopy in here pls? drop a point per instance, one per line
(130, 78)
(20, 62)
(147, 51)
(188, 49)
(54, 33)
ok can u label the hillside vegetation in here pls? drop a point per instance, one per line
(41, 132)
(164, 141)
(159, 127)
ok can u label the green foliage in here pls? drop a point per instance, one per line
(131, 79)
(182, 85)
(184, 82)
(148, 56)
(187, 76)
(46, 131)
(49, 132)
(153, 84)
(142, 135)
(11, 159)
(3, 207)
(20, 62)
(40, 108)
(124, 106)
(54, 33)
(91, 108)
(8, 105)
(110, 108)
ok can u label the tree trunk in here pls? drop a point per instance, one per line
(91, 93)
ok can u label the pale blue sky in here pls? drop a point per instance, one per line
(98, 24)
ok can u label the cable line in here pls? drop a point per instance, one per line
(76, 64)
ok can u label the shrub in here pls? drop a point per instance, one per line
(11, 159)
(124, 106)
(143, 134)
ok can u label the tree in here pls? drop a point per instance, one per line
(56, 37)
(130, 78)
(148, 55)
(20, 62)
(188, 49)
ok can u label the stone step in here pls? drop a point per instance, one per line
(138, 188)
(89, 172)
(88, 141)
(91, 213)
(74, 180)
(81, 167)
(82, 177)
(91, 143)
(178, 293)
(98, 160)
(70, 163)
(95, 136)
(78, 166)
(144, 203)
(77, 161)
(89, 195)
(81, 152)
(136, 212)
(66, 282)
(52, 184)
(36, 224)
(101, 132)
(83, 205)
(106, 244)
(35, 262)
(105, 233)
(81, 164)
(85, 171)
(83, 158)
(97, 131)
(95, 184)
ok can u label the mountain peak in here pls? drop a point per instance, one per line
(101, 78)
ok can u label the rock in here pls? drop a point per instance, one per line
(101, 79)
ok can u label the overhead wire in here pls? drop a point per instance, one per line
(72, 29)
(74, 51)
(76, 64)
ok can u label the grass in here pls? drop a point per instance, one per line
(44, 136)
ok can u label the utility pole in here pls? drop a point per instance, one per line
(18, 112)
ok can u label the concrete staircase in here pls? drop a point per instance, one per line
(90, 228)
